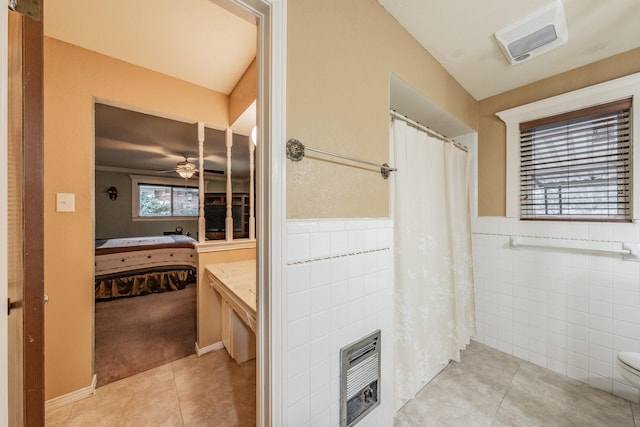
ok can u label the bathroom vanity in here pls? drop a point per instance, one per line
(236, 284)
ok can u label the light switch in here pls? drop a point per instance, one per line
(65, 202)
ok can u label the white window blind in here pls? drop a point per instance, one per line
(577, 165)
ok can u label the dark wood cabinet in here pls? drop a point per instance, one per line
(215, 212)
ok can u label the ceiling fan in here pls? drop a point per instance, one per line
(187, 169)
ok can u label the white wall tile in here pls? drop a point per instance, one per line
(330, 225)
(600, 338)
(298, 306)
(356, 266)
(626, 329)
(577, 317)
(339, 269)
(297, 278)
(578, 332)
(600, 308)
(580, 374)
(298, 333)
(320, 350)
(299, 413)
(337, 294)
(521, 352)
(578, 360)
(297, 387)
(568, 311)
(578, 346)
(319, 299)
(623, 390)
(320, 273)
(321, 420)
(319, 325)
(626, 233)
(601, 323)
(355, 240)
(627, 298)
(339, 243)
(626, 313)
(603, 383)
(603, 354)
(319, 245)
(599, 273)
(319, 376)
(297, 361)
(297, 247)
(506, 347)
(626, 281)
(302, 227)
(625, 344)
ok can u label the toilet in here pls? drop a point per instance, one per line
(628, 364)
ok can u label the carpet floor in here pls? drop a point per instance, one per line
(139, 333)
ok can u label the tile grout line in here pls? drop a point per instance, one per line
(507, 391)
(173, 375)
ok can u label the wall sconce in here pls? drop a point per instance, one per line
(112, 192)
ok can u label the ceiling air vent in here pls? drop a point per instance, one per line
(535, 34)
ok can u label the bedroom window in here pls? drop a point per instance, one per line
(167, 201)
(577, 165)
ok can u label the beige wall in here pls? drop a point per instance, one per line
(209, 331)
(244, 93)
(340, 54)
(491, 131)
(73, 78)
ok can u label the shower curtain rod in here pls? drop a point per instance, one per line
(395, 115)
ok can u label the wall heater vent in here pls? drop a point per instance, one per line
(359, 379)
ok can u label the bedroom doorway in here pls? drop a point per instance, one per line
(270, 208)
(147, 227)
(151, 179)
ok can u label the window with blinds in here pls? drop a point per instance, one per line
(577, 165)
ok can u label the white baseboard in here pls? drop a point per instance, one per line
(208, 349)
(72, 397)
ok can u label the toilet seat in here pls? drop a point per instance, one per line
(628, 364)
(630, 359)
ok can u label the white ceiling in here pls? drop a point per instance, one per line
(192, 40)
(459, 34)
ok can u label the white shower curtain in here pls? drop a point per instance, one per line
(434, 303)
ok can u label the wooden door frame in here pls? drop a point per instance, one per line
(33, 137)
(33, 216)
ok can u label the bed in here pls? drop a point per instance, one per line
(143, 265)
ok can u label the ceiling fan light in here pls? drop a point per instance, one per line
(186, 169)
(186, 173)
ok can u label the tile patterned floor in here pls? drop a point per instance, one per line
(212, 390)
(491, 388)
(487, 388)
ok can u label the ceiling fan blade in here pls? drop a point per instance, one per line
(167, 171)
